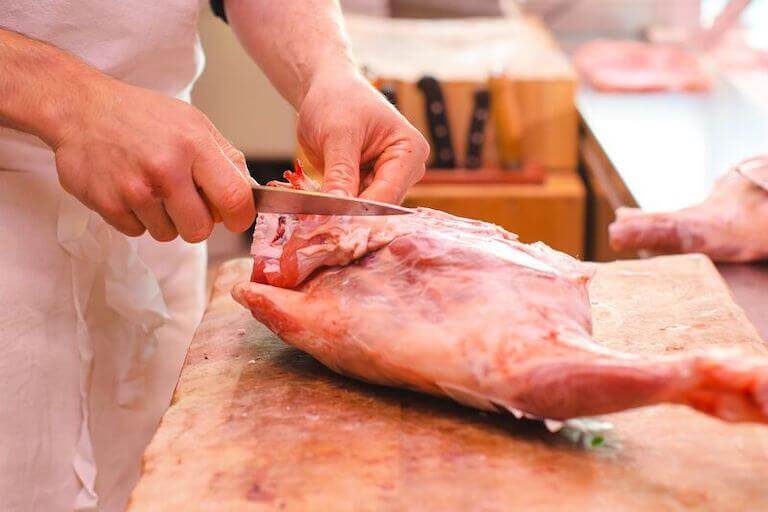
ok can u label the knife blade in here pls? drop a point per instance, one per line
(286, 200)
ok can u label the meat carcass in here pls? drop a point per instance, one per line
(730, 226)
(634, 66)
(461, 308)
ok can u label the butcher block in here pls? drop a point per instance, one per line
(258, 425)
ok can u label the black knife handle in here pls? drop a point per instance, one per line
(389, 93)
(476, 134)
(437, 120)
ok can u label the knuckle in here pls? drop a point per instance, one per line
(161, 161)
(342, 173)
(234, 197)
(113, 210)
(421, 146)
(138, 194)
(238, 158)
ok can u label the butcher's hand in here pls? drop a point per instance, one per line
(144, 161)
(147, 162)
(363, 145)
(730, 226)
(346, 128)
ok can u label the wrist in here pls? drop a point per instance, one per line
(64, 106)
(331, 76)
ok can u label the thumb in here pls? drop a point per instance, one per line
(341, 172)
(658, 232)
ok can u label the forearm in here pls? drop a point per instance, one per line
(40, 86)
(293, 41)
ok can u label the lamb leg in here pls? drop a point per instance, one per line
(731, 225)
(590, 380)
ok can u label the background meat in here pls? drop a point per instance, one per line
(456, 307)
(731, 225)
(636, 66)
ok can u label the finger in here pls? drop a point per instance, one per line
(235, 156)
(225, 187)
(127, 223)
(189, 213)
(107, 204)
(156, 220)
(117, 214)
(341, 169)
(658, 232)
(395, 171)
(215, 215)
(149, 210)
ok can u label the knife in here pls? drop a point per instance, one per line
(287, 200)
(437, 118)
(476, 134)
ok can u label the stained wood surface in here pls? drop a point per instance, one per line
(256, 425)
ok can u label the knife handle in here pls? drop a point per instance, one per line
(389, 93)
(437, 119)
(476, 133)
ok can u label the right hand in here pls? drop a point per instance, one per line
(146, 162)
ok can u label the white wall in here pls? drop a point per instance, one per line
(239, 99)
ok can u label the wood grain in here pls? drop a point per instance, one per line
(258, 426)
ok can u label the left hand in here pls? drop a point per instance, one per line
(362, 143)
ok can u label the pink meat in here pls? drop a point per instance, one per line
(461, 308)
(730, 226)
(633, 66)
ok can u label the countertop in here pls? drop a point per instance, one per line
(256, 425)
(667, 150)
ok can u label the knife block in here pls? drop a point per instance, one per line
(533, 122)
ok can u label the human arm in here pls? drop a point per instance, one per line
(140, 159)
(344, 124)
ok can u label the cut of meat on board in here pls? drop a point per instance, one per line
(461, 308)
(730, 226)
(633, 66)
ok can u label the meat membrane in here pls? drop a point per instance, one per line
(461, 308)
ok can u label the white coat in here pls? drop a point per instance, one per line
(93, 325)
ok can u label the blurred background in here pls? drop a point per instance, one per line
(530, 143)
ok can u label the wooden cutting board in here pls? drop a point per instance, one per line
(257, 425)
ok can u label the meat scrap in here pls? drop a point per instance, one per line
(730, 226)
(460, 308)
(634, 66)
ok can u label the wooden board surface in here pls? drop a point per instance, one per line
(256, 425)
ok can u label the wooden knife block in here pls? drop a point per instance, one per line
(532, 85)
(533, 125)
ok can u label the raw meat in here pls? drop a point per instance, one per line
(730, 226)
(633, 66)
(461, 308)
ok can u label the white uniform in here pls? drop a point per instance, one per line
(93, 325)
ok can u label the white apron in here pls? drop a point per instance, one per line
(93, 325)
